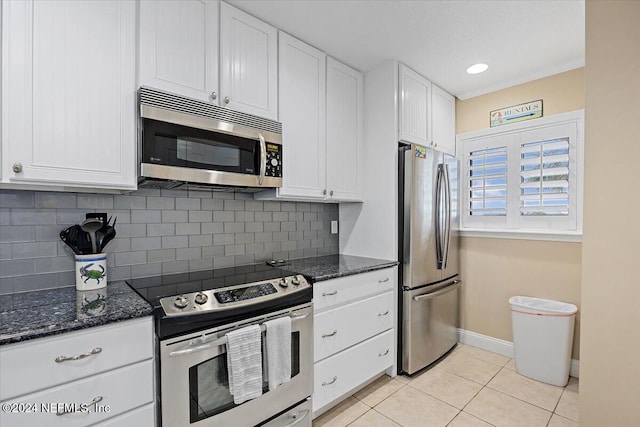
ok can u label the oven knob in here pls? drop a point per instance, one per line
(201, 298)
(274, 162)
(284, 284)
(181, 302)
(295, 281)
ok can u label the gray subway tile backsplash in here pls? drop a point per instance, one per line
(159, 232)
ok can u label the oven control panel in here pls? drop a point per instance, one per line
(241, 294)
(232, 296)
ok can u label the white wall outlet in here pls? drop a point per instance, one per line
(334, 227)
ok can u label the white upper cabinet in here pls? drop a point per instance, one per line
(443, 121)
(302, 98)
(248, 63)
(414, 107)
(68, 93)
(179, 47)
(345, 94)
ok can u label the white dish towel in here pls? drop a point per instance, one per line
(278, 351)
(244, 362)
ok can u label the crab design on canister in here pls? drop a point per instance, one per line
(96, 275)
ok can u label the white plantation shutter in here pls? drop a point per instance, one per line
(525, 176)
(544, 177)
(488, 182)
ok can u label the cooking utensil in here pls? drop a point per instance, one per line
(108, 235)
(90, 226)
(68, 236)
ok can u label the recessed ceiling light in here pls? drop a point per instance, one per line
(477, 68)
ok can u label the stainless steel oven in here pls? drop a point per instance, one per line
(194, 377)
(194, 312)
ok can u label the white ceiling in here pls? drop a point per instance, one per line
(521, 40)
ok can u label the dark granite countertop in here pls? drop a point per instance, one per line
(332, 266)
(37, 314)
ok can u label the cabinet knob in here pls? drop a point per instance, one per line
(324, 192)
(226, 100)
(17, 167)
(331, 193)
(214, 95)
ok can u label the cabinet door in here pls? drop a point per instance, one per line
(248, 63)
(302, 82)
(179, 47)
(414, 113)
(69, 104)
(443, 123)
(344, 132)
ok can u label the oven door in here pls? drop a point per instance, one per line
(194, 376)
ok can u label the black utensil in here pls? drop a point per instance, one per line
(69, 238)
(109, 235)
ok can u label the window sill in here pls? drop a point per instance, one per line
(553, 236)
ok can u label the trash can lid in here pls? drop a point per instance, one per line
(541, 306)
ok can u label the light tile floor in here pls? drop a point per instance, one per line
(471, 387)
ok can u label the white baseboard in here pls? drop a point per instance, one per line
(505, 348)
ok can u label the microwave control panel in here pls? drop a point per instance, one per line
(274, 160)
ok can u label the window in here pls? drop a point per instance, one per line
(524, 177)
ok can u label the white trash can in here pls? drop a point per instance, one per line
(543, 338)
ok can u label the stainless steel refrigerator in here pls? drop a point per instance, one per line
(429, 256)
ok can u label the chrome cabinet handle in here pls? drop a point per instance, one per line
(298, 417)
(331, 193)
(324, 383)
(17, 167)
(324, 192)
(214, 95)
(84, 407)
(326, 294)
(383, 280)
(61, 359)
(383, 314)
(226, 100)
(383, 354)
(335, 331)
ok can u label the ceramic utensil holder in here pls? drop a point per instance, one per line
(90, 304)
(91, 272)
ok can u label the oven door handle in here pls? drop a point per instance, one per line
(205, 345)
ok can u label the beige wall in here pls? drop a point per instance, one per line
(609, 368)
(559, 93)
(495, 269)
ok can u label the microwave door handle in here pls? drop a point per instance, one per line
(263, 159)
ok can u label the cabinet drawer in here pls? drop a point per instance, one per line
(31, 366)
(339, 328)
(339, 374)
(140, 417)
(121, 390)
(344, 289)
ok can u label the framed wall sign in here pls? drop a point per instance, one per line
(516, 113)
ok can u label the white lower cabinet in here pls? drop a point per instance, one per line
(337, 375)
(341, 327)
(140, 417)
(353, 333)
(80, 378)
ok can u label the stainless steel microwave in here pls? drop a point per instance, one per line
(189, 143)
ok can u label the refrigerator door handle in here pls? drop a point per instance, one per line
(451, 287)
(447, 205)
(438, 219)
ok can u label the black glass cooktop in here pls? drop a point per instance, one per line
(152, 289)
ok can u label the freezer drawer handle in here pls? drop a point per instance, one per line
(383, 314)
(326, 294)
(452, 286)
(324, 383)
(383, 280)
(383, 354)
(335, 331)
(61, 359)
